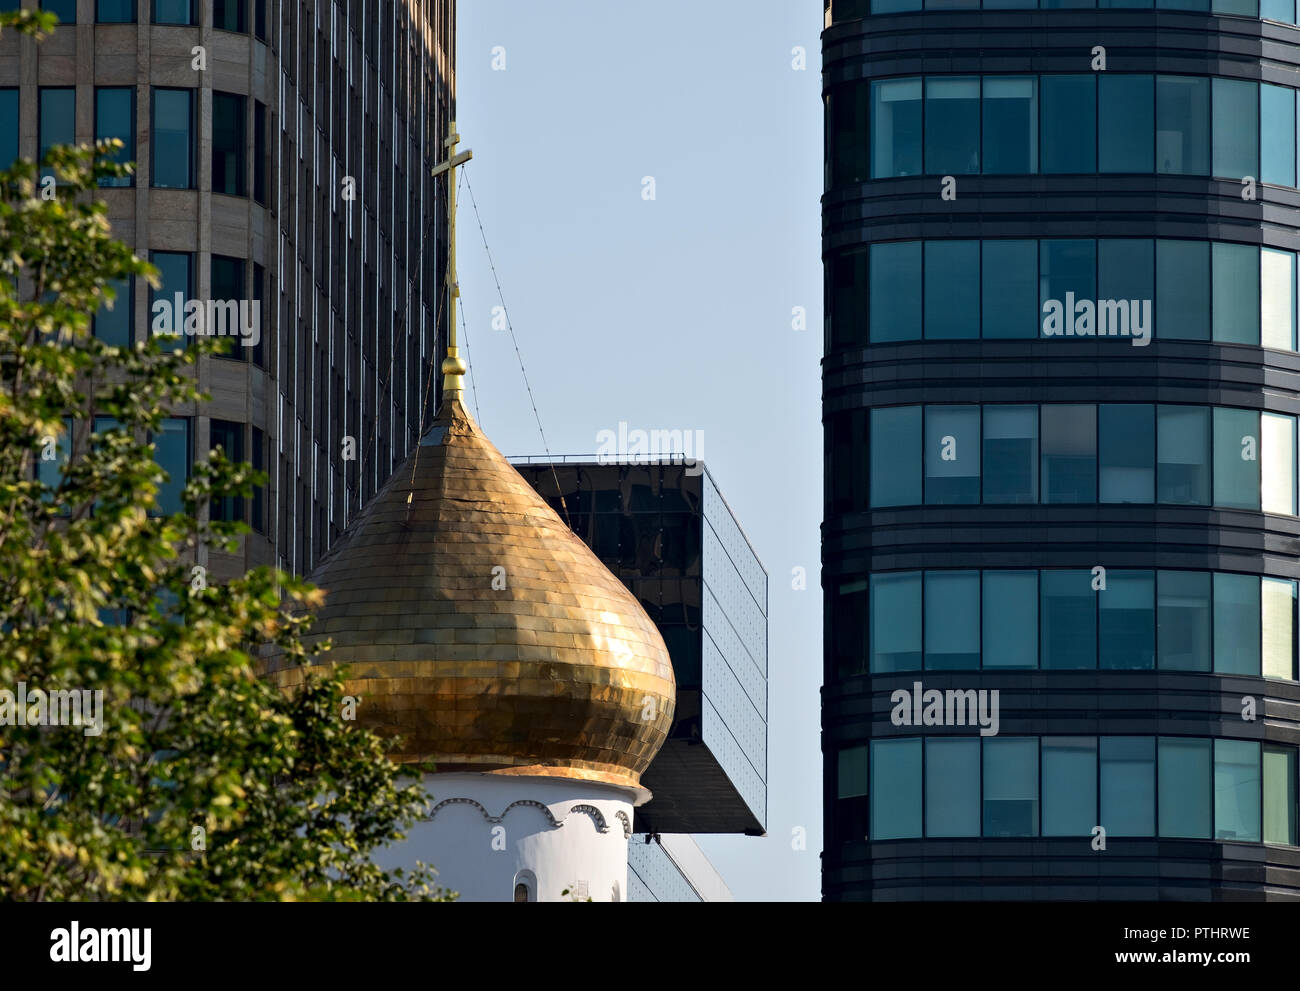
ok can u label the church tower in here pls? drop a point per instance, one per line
(528, 686)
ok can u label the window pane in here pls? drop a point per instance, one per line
(1126, 122)
(1236, 292)
(1277, 616)
(1242, 8)
(1236, 624)
(1128, 785)
(1183, 290)
(952, 620)
(849, 477)
(229, 15)
(1277, 299)
(58, 120)
(1011, 454)
(1126, 621)
(952, 787)
(49, 471)
(228, 144)
(1184, 455)
(1069, 459)
(64, 10)
(115, 118)
(1277, 132)
(896, 622)
(952, 454)
(175, 272)
(1184, 787)
(1278, 10)
(879, 7)
(259, 151)
(952, 125)
(1066, 267)
(1236, 458)
(1279, 794)
(848, 300)
(1069, 620)
(1069, 124)
(1010, 298)
(226, 289)
(173, 145)
(1127, 435)
(8, 127)
(115, 11)
(849, 611)
(849, 108)
(172, 12)
(229, 436)
(1183, 125)
(1236, 790)
(896, 127)
(113, 326)
(1236, 127)
(952, 289)
(1010, 619)
(851, 784)
(1184, 620)
(895, 296)
(1010, 786)
(895, 789)
(1125, 273)
(1011, 124)
(896, 456)
(1278, 468)
(1069, 785)
(172, 453)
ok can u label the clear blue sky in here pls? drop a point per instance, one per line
(674, 313)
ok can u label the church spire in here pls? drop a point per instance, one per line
(453, 366)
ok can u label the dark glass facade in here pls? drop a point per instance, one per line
(1059, 390)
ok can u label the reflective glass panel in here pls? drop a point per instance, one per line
(952, 125)
(1069, 785)
(1126, 621)
(1069, 125)
(1183, 125)
(1236, 127)
(1277, 299)
(1126, 122)
(1236, 458)
(1068, 615)
(1184, 617)
(1069, 453)
(1277, 120)
(1010, 298)
(1128, 785)
(952, 787)
(1277, 617)
(895, 297)
(1010, 606)
(1183, 290)
(1011, 124)
(1278, 468)
(1279, 766)
(1127, 443)
(1183, 445)
(952, 620)
(1236, 790)
(896, 622)
(896, 456)
(1010, 786)
(895, 789)
(952, 454)
(952, 289)
(1010, 454)
(896, 127)
(1185, 793)
(1236, 624)
(1235, 289)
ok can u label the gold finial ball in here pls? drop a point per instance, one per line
(454, 366)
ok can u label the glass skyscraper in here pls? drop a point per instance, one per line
(1060, 391)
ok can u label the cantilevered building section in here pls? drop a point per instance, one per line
(283, 154)
(1060, 391)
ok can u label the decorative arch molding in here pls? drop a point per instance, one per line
(602, 826)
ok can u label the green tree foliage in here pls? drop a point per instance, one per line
(204, 783)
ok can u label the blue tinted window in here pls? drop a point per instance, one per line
(1236, 790)
(895, 296)
(1242, 8)
(1185, 790)
(952, 787)
(1184, 617)
(1183, 290)
(952, 125)
(1010, 619)
(952, 454)
(64, 10)
(1236, 458)
(1278, 10)
(895, 789)
(1069, 785)
(1183, 455)
(1126, 123)
(1127, 453)
(173, 134)
(1069, 126)
(1011, 124)
(952, 289)
(1126, 275)
(1183, 125)
(115, 11)
(1236, 127)
(882, 7)
(58, 119)
(896, 456)
(229, 145)
(896, 127)
(1069, 620)
(1069, 453)
(115, 118)
(113, 326)
(1010, 786)
(1065, 269)
(1010, 454)
(1236, 624)
(1010, 296)
(1236, 292)
(1126, 621)
(8, 127)
(952, 620)
(49, 470)
(1128, 785)
(1279, 767)
(1277, 118)
(847, 291)
(849, 108)
(230, 15)
(166, 312)
(172, 453)
(173, 12)
(896, 622)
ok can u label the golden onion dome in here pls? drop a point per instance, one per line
(477, 627)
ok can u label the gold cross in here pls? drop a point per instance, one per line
(453, 368)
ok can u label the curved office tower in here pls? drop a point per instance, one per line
(1061, 385)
